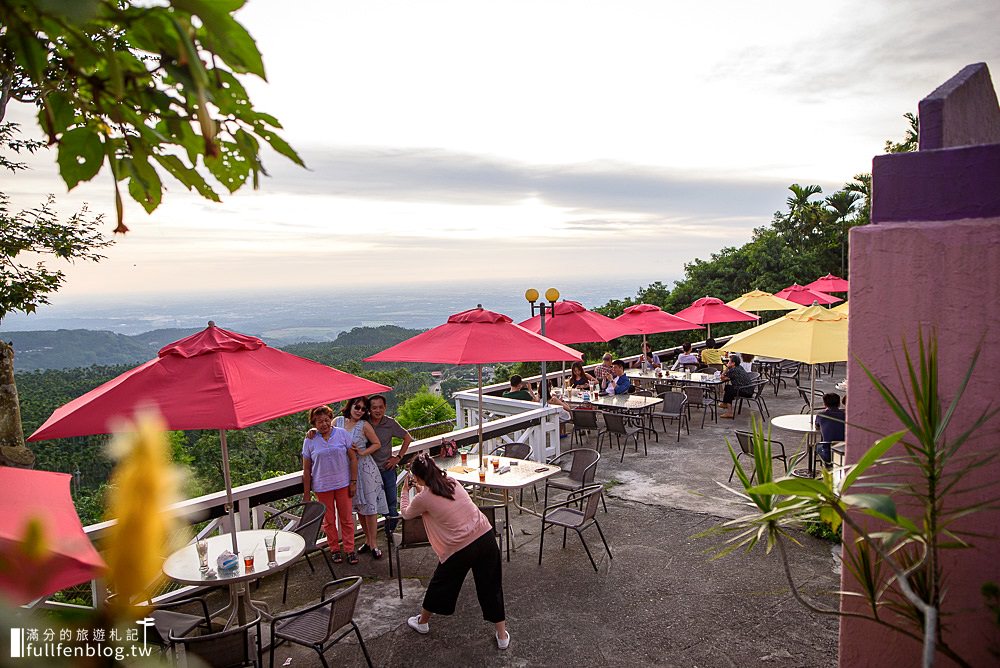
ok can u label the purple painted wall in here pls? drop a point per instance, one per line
(931, 259)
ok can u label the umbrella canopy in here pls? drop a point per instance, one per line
(573, 323)
(806, 296)
(477, 336)
(215, 379)
(42, 544)
(707, 310)
(758, 300)
(829, 283)
(650, 319)
(841, 308)
(813, 335)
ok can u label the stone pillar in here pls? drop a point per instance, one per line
(931, 260)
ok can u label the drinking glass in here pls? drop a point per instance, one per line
(248, 562)
(482, 474)
(270, 546)
(465, 457)
(496, 464)
(202, 547)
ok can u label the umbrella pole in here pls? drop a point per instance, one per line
(229, 489)
(709, 330)
(479, 416)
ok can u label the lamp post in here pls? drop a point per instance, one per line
(552, 295)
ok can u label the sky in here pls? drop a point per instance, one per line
(471, 141)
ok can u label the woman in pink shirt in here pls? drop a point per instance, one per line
(462, 538)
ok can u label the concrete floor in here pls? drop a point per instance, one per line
(660, 601)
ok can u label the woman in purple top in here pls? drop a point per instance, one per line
(330, 470)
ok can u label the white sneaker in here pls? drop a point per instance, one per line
(501, 643)
(423, 629)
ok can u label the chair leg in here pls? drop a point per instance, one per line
(361, 641)
(589, 555)
(541, 542)
(564, 538)
(308, 561)
(603, 540)
(603, 502)
(284, 590)
(329, 563)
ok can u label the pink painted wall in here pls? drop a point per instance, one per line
(932, 260)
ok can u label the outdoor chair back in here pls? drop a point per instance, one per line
(305, 519)
(674, 407)
(745, 441)
(513, 450)
(618, 425)
(224, 649)
(577, 512)
(585, 420)
(698, 397)
(412, 534)
(756, 396)
(316, 625)
(804, 394)
(579, 467)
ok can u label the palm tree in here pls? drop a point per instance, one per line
(841, 206)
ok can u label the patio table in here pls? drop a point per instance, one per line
(706, 380)
(183, 566)
(802, 424)
(632, 404)
(522, 473)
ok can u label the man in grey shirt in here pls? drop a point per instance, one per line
(386, 428)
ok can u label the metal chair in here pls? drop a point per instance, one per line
(698, 397)
(745, 440)
(513, 450)
(580, 519)
(412, 535)
(618, 426)
(491, 516)
(167, 621)
(315, 625)
(785, 371)
(307, 524)
(224, 649)
(817, 399)
(585, 420)
(757, 397)
(674, 407)
(581, 472)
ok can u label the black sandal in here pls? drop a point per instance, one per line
(352, 559)
(376, 553)
(338, 558)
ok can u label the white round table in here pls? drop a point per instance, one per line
(804, 425)
(182, 566)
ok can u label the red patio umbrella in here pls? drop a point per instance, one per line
(806, 296)
(477, 336)
(650, 319)
(573, 323)
(215, 379)
(707, 310)
(42, 544)
(829, 283)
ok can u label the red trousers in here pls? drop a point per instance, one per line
(338, 506)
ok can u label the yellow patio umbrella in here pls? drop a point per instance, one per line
(840, 308)
(758, 300)
(812, 335)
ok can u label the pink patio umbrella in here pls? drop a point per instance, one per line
(479, 337)
(806, 296)
(708, 310)
(829, 283)
(43, 547)
(572, 323)
(650, 319)
(215, 379)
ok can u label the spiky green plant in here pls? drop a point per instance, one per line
(893, 558)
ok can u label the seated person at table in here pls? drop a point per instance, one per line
(578, 376)
(686, 358)
(519, 390)
(746, 361)
(830, 424)
(620, 383)
(603, 371)
(565, 415)
(739, 384)
(711, 355)
(647, 355)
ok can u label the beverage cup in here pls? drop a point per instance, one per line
(202, 547)
(496, 464)
(482, 474)
(271, 547)
(465, 458)
(248, 562)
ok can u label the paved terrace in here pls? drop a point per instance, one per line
(660, 601)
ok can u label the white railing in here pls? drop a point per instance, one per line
(253, 503)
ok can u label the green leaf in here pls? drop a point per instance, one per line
(879, 448)
(144, 183)
(881, 505)
(224, 35)
(188, 176)
(279, 145)
(793, 486)
(59, 109)
(81, 154)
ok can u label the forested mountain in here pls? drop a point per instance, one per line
(72, 348)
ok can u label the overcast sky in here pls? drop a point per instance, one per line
(450, 140)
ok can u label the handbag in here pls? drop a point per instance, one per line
(448, 449)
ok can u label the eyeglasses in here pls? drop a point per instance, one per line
(359, 407)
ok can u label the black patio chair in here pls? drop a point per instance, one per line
(674, 407)
(230, 648)
(786, 370)
(619, 426)
(804, 395)
(757, 397)
(169, 621)
(304, 519)
(316, 625)
(585, 419)
(412, 535)
(512, 450)
(745, 441)
(582, 463)
(699, 397)
(579, 519)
